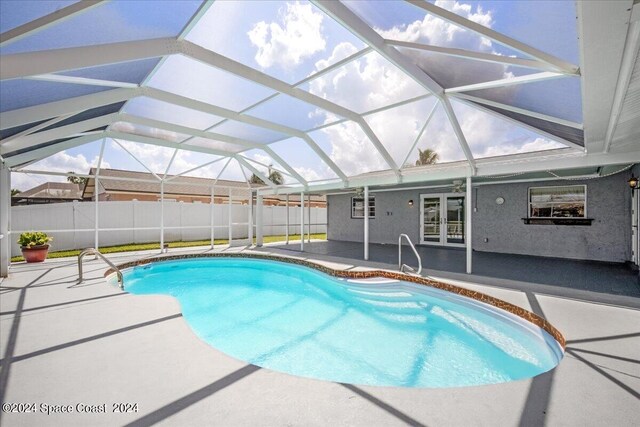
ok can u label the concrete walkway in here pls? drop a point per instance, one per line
(91, 344)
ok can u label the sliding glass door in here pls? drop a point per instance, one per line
(454, 220)
(442, 219)
(431, 223)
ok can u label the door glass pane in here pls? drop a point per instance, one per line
(431, 225)
(455, 219)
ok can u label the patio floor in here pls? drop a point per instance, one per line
(66, 344)
(555, 275)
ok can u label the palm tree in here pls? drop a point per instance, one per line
(15, 192)
(76, 179)
(426, 157)
(274, 176)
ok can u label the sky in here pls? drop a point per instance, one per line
(292, 41)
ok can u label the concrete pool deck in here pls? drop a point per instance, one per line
(92, 344)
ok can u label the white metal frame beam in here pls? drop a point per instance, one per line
(20, 65)
(518, 110)
(559, 64)
(41, 153)
(59, 78)
(477, 56)
(284, 164)
(424, 127)
(193, 104)
(36, 113)
(164, 143)
(35, 139)
(343, 15)
(5, 219)
(74, 105)
(521, 124)
(204, 7)
(46, 21)
(140, 162)
(356, 25)
(259, 174)
(222, 62)
(528, 78)
(212, 136)
(204, 165)
(448, 109)
(320, 73)
(631, 48)
(560, 159)
(36, 128)
(186, 130)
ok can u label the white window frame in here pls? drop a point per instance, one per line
(529, 203)
(372, 207)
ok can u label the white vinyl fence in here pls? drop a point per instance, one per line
(72, 225)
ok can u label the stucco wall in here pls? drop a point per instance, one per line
(607, 239)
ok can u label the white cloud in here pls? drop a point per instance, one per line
(538, 144)
(352, 151)
(308, 173)
(154, 157)
(287, 43)
(438, 32)
(341, 51)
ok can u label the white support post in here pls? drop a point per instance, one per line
(161, 216)
(469, 216)
(212, 219)
(259, 221)
(302, 221)
(230, 216)
(309, 218)
(286, 233)
(250, 215)
(366, 223)
(5, 213)
(96, 196)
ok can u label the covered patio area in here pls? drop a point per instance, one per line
(551, 275)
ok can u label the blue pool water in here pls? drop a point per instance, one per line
(303, 322)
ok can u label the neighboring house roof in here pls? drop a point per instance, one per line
(181, 185)
(52, 191)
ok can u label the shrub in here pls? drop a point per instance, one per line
(34, 238)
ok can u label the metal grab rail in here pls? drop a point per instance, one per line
(93, 251)
(402, 266)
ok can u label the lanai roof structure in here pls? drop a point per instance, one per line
(331, 94)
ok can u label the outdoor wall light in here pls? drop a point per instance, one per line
(411, 203)
(633, 182)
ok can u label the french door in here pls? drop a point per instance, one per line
(442, 219)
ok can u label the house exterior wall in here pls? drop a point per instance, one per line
(607, 239)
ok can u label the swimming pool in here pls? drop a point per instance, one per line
(300, 321)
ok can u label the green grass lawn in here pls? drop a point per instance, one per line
(149, 246)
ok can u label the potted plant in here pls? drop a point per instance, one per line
(34, 245)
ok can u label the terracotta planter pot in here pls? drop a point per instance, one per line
(35, 253)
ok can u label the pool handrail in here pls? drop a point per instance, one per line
(94, 251)
(402, 266)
